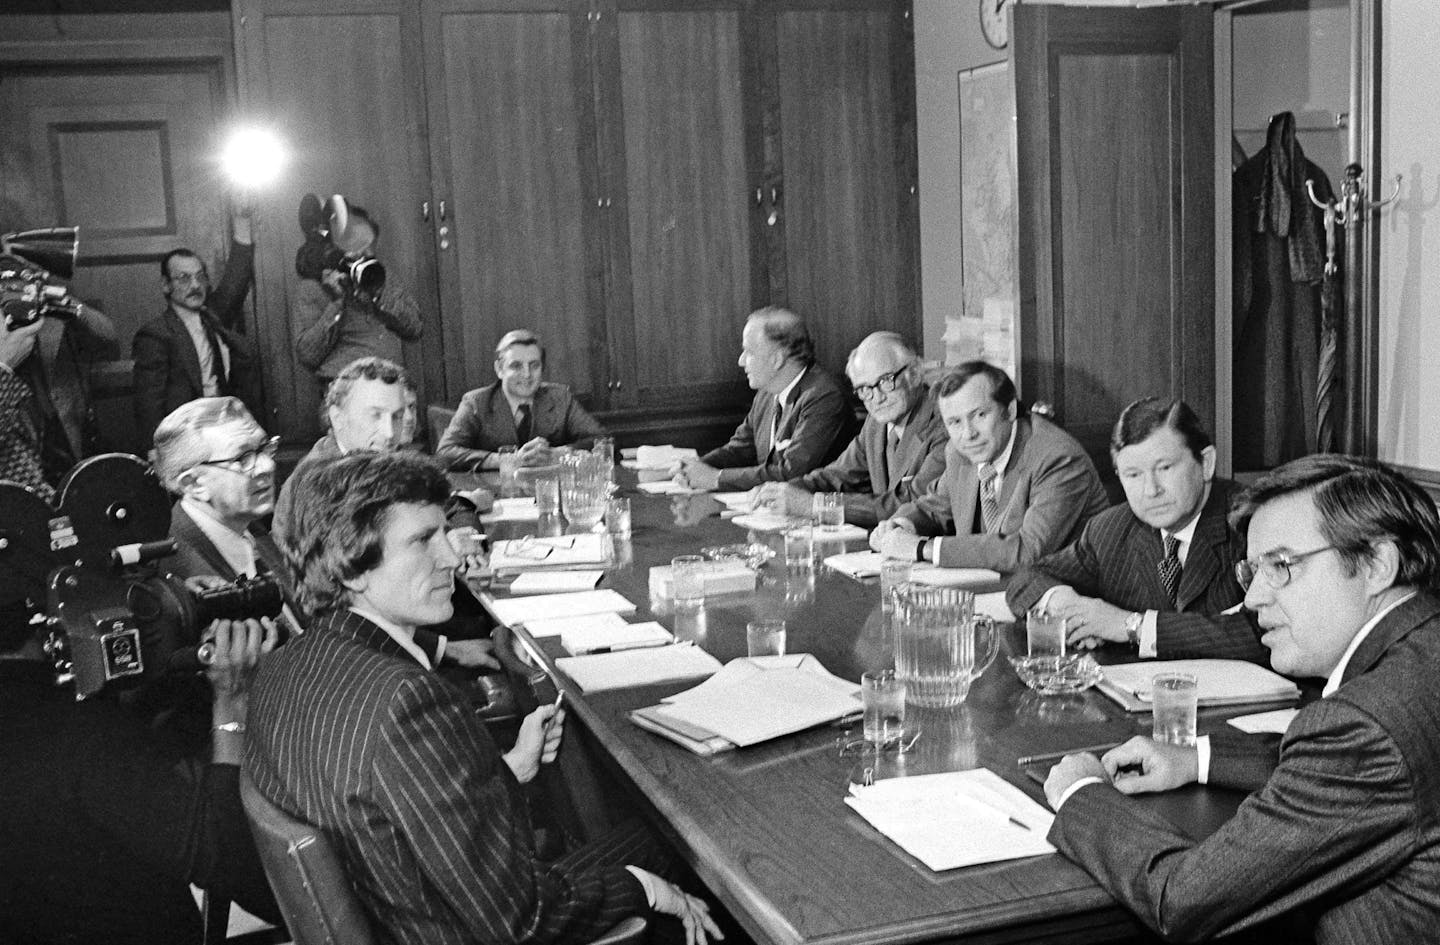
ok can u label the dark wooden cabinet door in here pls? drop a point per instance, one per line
(339, 80)
(1116, 184)
(512, 131)
(840, 168)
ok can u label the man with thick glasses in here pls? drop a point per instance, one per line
(1158, 571)
(1341, 833)
(899, 451)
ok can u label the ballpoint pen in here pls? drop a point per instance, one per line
(1024, 760)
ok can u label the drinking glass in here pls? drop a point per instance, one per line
(1175, 699)
(893, 574)
(509, 466)
(547, 496)
(800, 548)
(884, 697)
(617, 517)
(827, 511)
(687, 581)
(765, 638)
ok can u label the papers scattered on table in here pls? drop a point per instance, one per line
(764, 521)
(579, 640)
(720, 577)
(959, 818)
(993, 605)
(561, 551)
(527, 610)
(733, 500)
(555, 582)
(513, 510)
(857, 564)
(659, 457)
(558, 626)
(1276, 720)
(665, 487)
(659, 664)
(839, 533)
(971, 578)
(1222, 682)
(752, 700)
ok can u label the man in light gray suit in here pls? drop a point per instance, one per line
(1342, 830)
(899, 452)
(1015, 486)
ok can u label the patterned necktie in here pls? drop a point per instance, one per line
(1169, 568)
(217, 360)
(523, 425)
(989, 500)
(892, 455)
(775, 428)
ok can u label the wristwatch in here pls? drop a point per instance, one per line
(921, 549)
(1132, 627)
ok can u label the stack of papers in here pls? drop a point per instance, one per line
(579, 640)
(765, 521)
(555, 582)
(658, 457)
(1221, 682)
(857, 564)
(734, 500)
(970, 578)
(638, 667)
(513, 510)
(665, 487)
(561, 551)
(959, 818)
(752, 700)
(527, 610)
(582, 623)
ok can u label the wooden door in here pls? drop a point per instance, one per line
(512, 119)
(1117, 246)
(119, 148)
(340, 81)
(680, 153)
(840, 168)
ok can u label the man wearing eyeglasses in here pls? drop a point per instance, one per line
(1157, 572)
(1341, 831)
(899, 451)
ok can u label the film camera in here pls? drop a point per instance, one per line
(92, 571)
(339, 236)
(30, 263)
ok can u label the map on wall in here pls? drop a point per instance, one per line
(986, 326)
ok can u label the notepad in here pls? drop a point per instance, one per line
(555, 582)
(857, 564)
(970, 578)
(955, 819)
(631, 668)
(1221, 682)
(579, 640)
(665, 487)
(561, 551)
(513, 510)
(557, 626)
(526, 610)
(734, 500)
(1276, 721)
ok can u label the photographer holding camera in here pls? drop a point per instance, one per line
(353, 308)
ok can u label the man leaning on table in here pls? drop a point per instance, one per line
(1015, 486)
(1157, 572)
(1342, 829)
(798, 421)
(520, 409)
(899, 452)
(350, 731)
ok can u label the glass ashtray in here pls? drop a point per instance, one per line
(754, 554)
(1054, 675)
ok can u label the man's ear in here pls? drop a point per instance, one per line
(355, 585)
(1207, 462)
(499, 365)
(1382, 568)
(190, 485)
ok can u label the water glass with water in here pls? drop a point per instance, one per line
(765, 638)
(617, 517)
(509, 465)
(884, 697)
(1174, 699)
(687, 581)
(894, 573)
(800, 548)
(827, 511)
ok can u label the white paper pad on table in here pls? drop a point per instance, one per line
(513, 510)
(625, 636)
(959, 818)
(733, 500)
(555, 582)
(638, 667)
(584, 623)
(839, 533)
(660, 457)
(857, 564)
(525, 610)
(930, 575)
(993, 605)
(1276, 720)
(665, 487)
(1222, 682)
(560, 551)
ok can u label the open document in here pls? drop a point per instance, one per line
(1221, 682)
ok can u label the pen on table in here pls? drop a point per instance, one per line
(648, 644)
(1024, 760)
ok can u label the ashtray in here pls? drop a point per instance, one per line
(754, 554)
(1054, 675)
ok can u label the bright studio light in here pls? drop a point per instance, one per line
(252, 158)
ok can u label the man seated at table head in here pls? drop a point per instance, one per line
(1158, 572)
(1342, 829)
(798, 421)
(520, 409)
(899, 451)
(1015, 486)
(351, 732)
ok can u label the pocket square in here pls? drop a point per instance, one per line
(783, 444)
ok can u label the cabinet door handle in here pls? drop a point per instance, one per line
(774, 196)
(442, 211)
(425, 210)
(760, 197)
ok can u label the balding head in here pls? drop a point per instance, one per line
(886, 360)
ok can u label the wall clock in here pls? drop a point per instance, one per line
(994, 23)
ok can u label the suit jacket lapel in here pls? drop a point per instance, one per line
(1203, 561)
(966, 492)
(1015, 470)
(909, 452)
(763, 440)
(546, 421)
(352, 626)
(184, 346)
(189, 535)
(499, 417)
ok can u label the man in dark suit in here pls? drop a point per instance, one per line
(1015, 486)
(798, 421)
(1157, 572)
(899, 451)
(192, 349)
(519, 409)
(351, 732)
(1342, 830)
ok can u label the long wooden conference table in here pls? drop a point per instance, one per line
(766, 827)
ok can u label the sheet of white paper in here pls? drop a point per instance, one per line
(932, 576)
(765, 521)
(558, 626)
(513, 510)
(1220, 681)
(1277, 721)
(733, 500)
(659, 457)
(665, 487)
(993, 605)
(513, 610)
(752, 707)
(561, 551)
(626, 636)
(555, 582)
(857, 564)
(638, 667)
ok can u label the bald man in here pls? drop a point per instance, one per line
(900, 450)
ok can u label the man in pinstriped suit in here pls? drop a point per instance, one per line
(352, 732)
(1342, 830)
(1111, 581)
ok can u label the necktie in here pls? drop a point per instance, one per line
(523, 425)
(989, 500)
(217, 360)
(775, 427)
(1169, 568)
(892, 454)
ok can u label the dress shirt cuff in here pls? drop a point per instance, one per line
(6, 369)
(1044, 602)
(1148, 634)
(1202, 759)
(440, 641)
(647, 881)
(932, 551)
(1075, 787)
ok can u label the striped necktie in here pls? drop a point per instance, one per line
(1169, 568)
(989, 499)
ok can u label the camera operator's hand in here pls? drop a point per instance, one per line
(15, 346)
(334, 282)
(239, 644)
